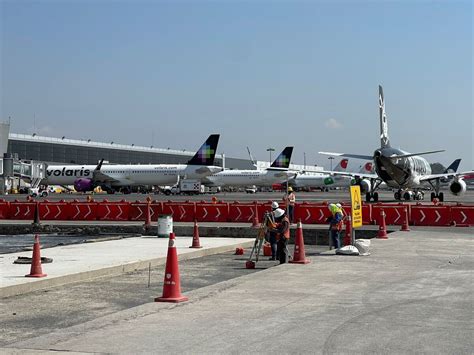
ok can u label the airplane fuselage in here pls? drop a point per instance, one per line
(320, 180)
(248, 177)
(128, 175)
(403, 172)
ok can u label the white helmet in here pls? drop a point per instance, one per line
(338, 205)
(278, 212)
(275, 205)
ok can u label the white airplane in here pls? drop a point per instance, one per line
(408, 173)
(322, 180)
(277, 172)
(112, 177)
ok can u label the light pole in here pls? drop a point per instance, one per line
(331, 159)
(270, 149)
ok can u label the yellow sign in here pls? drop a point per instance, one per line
(356, 210)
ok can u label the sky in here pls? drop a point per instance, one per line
(263, 74)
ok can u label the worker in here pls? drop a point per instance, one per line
(290, 201)
(282, 233)
(339, 206)
(272, 235)
(335, 225)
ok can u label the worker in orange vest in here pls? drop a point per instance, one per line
(282, 230)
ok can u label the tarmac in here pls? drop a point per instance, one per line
(413, 294)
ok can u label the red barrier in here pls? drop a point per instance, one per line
(241, 212)
(82, 211)
(58, 211)
(312, 214)
(22, 210)
(423, 215)
(212, 212)
(4, 210)
(367, 214)
(181, 211)
(113, 211)
(394, 213)
(462, 215)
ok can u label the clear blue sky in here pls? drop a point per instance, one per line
(261, 73)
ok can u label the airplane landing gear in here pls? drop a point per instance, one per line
(371, 195)
(398, 195)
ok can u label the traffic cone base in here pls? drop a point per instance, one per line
(173, 300)
(299, 256)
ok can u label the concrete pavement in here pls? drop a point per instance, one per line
(73, 263)
(413, 294)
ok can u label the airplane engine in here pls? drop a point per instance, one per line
(365, 186)
(83, 185)
(458, 187)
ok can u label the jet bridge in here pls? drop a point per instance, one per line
(12, 170)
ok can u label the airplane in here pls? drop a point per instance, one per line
(321, 180)
(408, 173)
(277, 172)
(113, 177)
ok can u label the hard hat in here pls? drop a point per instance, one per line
(290, 189)
(278, 212)
(275, 205)
(338, 205)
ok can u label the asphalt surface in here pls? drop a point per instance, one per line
(412, 295)
(333, 195)
(41, 312)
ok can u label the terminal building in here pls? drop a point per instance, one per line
(53, 150)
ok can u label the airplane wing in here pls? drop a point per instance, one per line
(414, 154)
(348, 155)
(446, 175)
(349, 174)
(99, 176)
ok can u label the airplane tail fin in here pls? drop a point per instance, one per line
(453, 168)
(283, 160)
(384, 140)
(342, 166)
(205, 155)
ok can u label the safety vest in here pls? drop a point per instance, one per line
(338, 225)
(286, 233)
(291, 198)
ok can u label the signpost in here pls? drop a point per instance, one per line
(356, 209)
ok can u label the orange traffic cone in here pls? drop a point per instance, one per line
(255, 222)
(172, 284)
(382, 234)
(405, 226)
(36, 270)
(36, 218)
(348, 235)
(196, 242)
(299, 256)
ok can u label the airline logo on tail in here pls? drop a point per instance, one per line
(205, 155)
(283, 160)
(384, 140)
